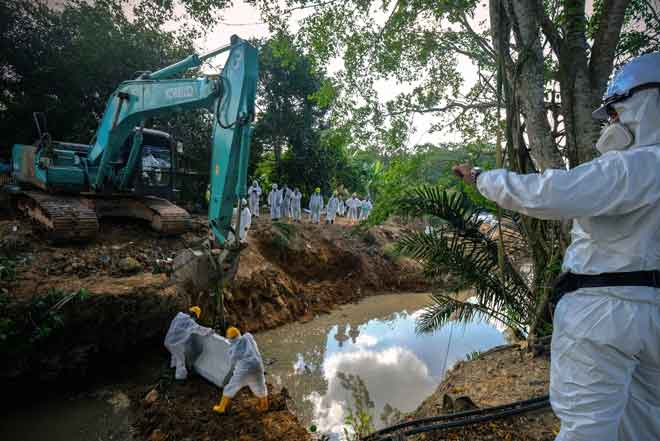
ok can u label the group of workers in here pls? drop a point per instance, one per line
(286, 203)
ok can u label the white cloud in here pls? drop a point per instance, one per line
(394, 376)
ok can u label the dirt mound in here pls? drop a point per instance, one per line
(182, 411)
(295, 271)
(496, 377)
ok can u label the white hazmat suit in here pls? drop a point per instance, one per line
(296, 212)
(366, 209)
(341, 207)
(254, 193)
(315, 207)
(605, 371)
(352, 205)
(286, 205)
(275, 203)
(248, 367)
(331, 209)
(178, 341)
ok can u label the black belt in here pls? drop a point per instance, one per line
(569, 282)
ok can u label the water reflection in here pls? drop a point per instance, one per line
(367, 352)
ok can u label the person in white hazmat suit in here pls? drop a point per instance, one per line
(286, 204)
(178, 339)
(274, 202)
(296, 212)
(605, 369)
(352, 205)
(244, 223)
(254, 193)
(247, 370)
(341, 207)
(316, 205)
(331, 209)
(366, 209)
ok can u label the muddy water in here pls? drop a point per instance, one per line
(99, 416)
(366, 352)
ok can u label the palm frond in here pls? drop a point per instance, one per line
(462, 245)
(446, 308)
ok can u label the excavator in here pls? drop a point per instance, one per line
(66, 187)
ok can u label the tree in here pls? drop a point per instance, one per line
(67, 61)
(544, 63)
(291, 132)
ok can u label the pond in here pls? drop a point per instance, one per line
(367, 352)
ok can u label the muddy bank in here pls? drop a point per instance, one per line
(183, 411)
(494, 378)
(286, 274)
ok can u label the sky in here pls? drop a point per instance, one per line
(245, 21)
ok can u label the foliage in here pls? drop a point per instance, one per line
(7, 269)
(474, 355)
(41, 318)
(67, 61)
(293, 142)
(428, 166)
(461, 244)
(359, 418)
(282, 233)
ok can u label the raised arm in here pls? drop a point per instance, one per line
(604, 186)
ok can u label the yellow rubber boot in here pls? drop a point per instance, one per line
(262, 404)
(222, 406)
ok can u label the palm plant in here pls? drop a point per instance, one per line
(460, 244)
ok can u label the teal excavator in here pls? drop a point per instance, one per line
(67, 187)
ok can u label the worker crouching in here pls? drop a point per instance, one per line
(248, 370)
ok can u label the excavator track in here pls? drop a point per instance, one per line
(164, 217)
(61, 217)
(167, 218)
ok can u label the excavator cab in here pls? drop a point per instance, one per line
(157, 168)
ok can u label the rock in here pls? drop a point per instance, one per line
(129, 265)
(151, 397)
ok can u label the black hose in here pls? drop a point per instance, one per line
(465, 418)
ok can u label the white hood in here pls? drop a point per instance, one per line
(641, 115)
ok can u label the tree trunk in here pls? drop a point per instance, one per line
(582, 82)
(527, 76)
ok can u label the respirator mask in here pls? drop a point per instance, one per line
(633, 122)
(614, 136)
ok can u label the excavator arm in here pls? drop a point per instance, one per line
(230, 100)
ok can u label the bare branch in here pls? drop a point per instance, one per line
(552, 34)
(480, 40)
(313, 5)
(451, 105)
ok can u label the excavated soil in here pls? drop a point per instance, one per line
(183, 411)
(499, 376)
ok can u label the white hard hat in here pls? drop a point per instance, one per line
(641, 73)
